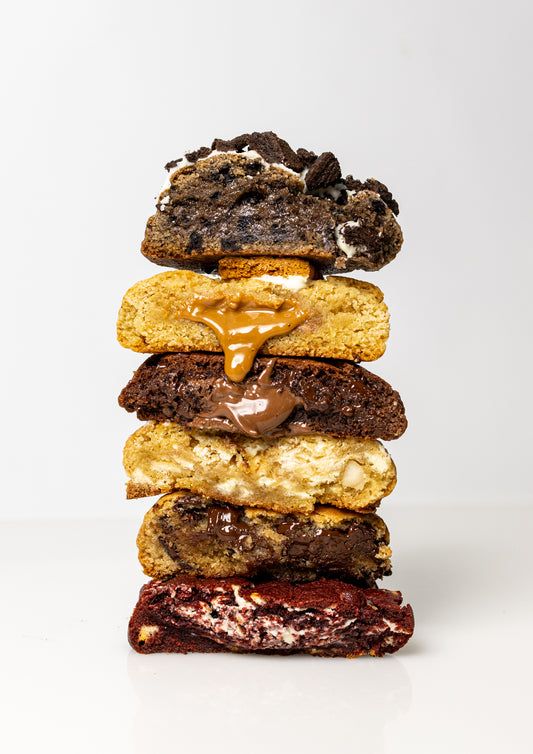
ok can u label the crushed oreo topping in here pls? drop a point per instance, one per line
(371, 184)
(267, 144)
(173, 164)
(198, 154)
(241, 201)
(324, 171)
(306, 156)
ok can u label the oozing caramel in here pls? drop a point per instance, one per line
(242, 326)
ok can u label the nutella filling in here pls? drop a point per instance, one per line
(255, 409)
(242, 326)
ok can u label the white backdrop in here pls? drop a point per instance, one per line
(433, 98)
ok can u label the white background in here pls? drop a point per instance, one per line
(434, 99)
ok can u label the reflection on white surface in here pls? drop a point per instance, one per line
(69, 683)
(267, 703)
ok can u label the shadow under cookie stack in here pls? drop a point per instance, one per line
(262, 431)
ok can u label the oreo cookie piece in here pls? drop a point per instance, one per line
(254, 196)
(327, 618)
(190, 534)
(279, 396)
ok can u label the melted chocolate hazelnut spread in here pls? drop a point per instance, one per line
(242, 326)
(255, 409)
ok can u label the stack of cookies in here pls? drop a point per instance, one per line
(262, 431)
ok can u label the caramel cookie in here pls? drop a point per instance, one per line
(336, 318)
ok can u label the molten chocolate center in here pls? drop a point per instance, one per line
(255, 409)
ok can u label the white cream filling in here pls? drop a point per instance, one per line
(240, 601)
(334, 191)
(292, 282)
(240, 622)
(343, 245)
(247, 153)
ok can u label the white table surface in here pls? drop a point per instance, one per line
(70, 683)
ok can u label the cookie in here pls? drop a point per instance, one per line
(254, 196)
(234, 268)
(337, 318)
(279, 396)
(327, 618)
(189, 534)
(286, 474)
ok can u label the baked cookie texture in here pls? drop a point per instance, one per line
(337, 398)
(234, 268)
(327, 618)
(286, 474)
(184, 533)
(345, 318)
(254, 195)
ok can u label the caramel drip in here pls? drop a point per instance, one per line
(242, 327)
(255, 409)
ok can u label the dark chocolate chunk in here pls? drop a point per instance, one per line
(188, 533)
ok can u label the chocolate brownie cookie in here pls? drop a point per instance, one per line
(327, 617)
(253, 195)
(286, 474)
(184, 533)
(279, 396)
